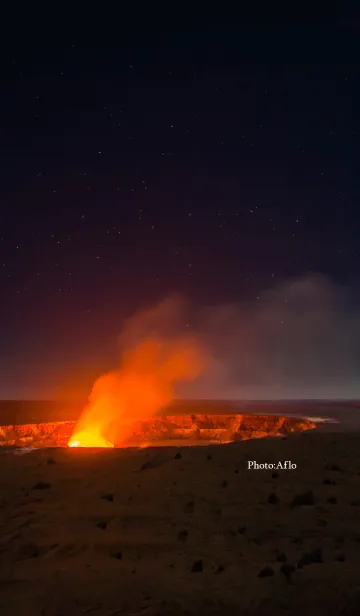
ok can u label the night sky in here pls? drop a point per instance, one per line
(214, 163)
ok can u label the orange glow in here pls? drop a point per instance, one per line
(208, 425)
(88, 439)
(140, 389)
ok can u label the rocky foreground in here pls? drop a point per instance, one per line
(174, 531)
(213, 428)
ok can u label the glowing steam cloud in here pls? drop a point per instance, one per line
(144, 383)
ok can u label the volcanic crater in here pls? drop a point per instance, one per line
(184, 430)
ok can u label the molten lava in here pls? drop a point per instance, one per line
(138, 390)
(88, 439)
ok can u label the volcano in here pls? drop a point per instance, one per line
(184, 430)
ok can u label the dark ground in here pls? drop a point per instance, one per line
(152, 533)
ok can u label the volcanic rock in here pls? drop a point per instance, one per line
(210, 428)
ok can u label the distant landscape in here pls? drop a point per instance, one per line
(347, 412)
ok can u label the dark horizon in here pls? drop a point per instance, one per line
(339, 412)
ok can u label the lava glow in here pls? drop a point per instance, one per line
(142, 386)
(88, 439)
(208, 426)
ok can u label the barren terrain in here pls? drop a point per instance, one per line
(175, 531)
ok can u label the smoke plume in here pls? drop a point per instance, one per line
(300, 339)
(154, 357)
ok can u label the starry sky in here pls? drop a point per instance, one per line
(210, 162)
